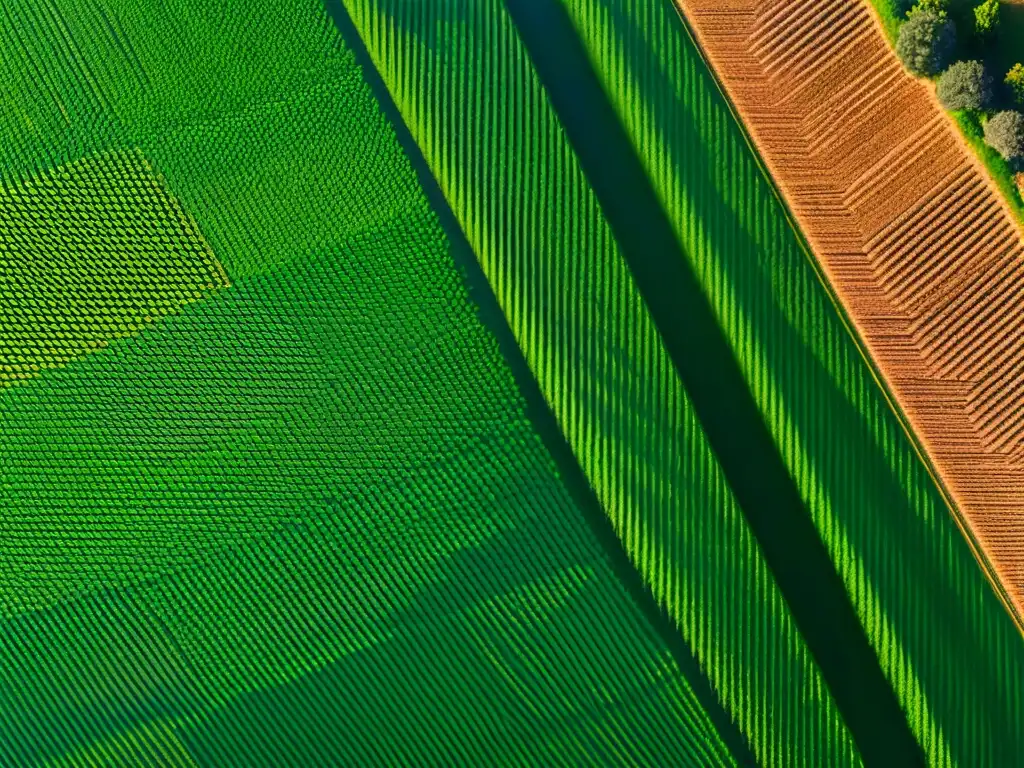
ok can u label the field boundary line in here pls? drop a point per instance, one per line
(987, 566)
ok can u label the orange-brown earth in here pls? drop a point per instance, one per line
(914, 238)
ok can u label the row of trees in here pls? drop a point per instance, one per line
(927, 45)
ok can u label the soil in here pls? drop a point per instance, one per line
(917, 243)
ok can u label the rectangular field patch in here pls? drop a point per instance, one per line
(90, 252)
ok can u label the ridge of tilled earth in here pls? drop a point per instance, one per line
(917, 244)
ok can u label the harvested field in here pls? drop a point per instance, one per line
(915, 240)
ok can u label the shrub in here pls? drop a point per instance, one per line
(1015, 82)
(926, 42)
(986, 18)
(938, 7)
(1004, 132)
(965, 85)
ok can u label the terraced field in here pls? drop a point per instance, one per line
(919, 247)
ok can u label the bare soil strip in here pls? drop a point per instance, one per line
(917, 243)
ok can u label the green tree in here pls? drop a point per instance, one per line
(1004, 132)
(986, 18)
(938, 7)
(1015, 82)
(965, 85)
(926, 42)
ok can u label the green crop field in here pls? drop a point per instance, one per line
(303, 490)
(558, 275)
(913, 582)
(915, 585)
(147, 260)
(341, 421)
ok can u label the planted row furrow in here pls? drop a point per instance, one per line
(306, 518)
(875, 173)
(533, 222)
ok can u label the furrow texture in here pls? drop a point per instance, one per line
(273, 495)
(930, 224)
(493, 141)
(924, 260)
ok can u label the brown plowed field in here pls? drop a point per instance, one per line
(915, 239)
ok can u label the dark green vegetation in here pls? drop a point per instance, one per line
(926, 42)
(987, 19)
(1004, 132)
(1015, 82)
(990, 32)
(965, 85)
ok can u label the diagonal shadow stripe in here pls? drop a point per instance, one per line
(731, 420)
(537, 408)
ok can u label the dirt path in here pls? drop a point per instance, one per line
(910, 231)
